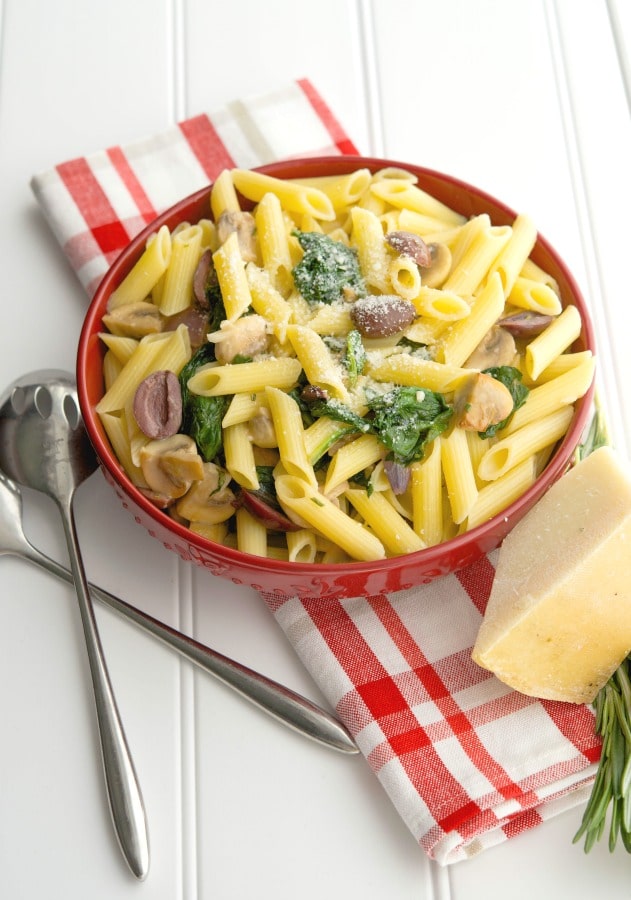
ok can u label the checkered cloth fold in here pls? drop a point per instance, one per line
(466, 761)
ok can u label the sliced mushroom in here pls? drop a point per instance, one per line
(433, 275)
(244, 225)
(482, 401)
(497, 348)
(209, 500)
(171, 465)
(134, 320)
(246, 336)
(261, 428)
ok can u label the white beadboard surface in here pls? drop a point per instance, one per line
(529, 100)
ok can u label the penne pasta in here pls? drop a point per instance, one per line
(561, 391)
(518, 446)
(391, 528)
(497, 495)
(437, 303)
(342, 190)
(290, 435)
(230, 269)
(177, 290)
(404, 194)
(251, 533)
(534, 295)
(352, 458)
(427, 495)
(253, 377)
(317, 361)
(240, 456)
(458, 472)
(274, 246)
(223, 196)
(368, 238)
(414, 371)
(553, 341)
(294, 197)
(171, 351)
(463, 337)
(304, 501)
(516, 251)
(140, 281)
(302, 546)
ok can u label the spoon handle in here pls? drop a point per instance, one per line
(125, 799)
(283, 704)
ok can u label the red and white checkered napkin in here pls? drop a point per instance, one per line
(466, 761)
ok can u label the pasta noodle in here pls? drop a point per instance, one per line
(146, 272)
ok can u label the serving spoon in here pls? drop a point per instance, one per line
(283, 704)
(43, 445)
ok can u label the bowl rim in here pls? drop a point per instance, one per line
(428, 556)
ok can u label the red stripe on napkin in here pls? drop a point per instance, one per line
(477, 580)
(133, 185)
(207, 146)
(94, 206)
(340, 138)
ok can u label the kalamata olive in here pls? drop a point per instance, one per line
(266, 510)
(398, 476)
(382, 315)
(525, 324)
(311, 392)
(195, 319)
(200, 278)
(406, 243)
(158, 405)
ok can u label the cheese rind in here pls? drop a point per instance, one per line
(558, 620)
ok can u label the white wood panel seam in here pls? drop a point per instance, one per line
(608, 380)
(188, 740)
(618, 39)
(370, 67)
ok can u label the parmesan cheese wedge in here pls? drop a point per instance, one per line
(558, 621)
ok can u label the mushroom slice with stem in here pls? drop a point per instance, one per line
(171, 465)
(439, 267)
(261, 429)
(244, 225)
(497, 348)
(482, 401)
(209, 500)
(134, 320)
(245, 337)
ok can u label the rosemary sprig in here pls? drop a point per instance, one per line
(611, 791)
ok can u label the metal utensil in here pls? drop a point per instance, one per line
(283, 704)
(43, 445)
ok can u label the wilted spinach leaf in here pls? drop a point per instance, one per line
(406, 419)
(326, 269)
(355, 357)
(201, 416)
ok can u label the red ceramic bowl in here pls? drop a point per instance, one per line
(348, 579)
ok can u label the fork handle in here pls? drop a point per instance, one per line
(278, 701)
(125, 799)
